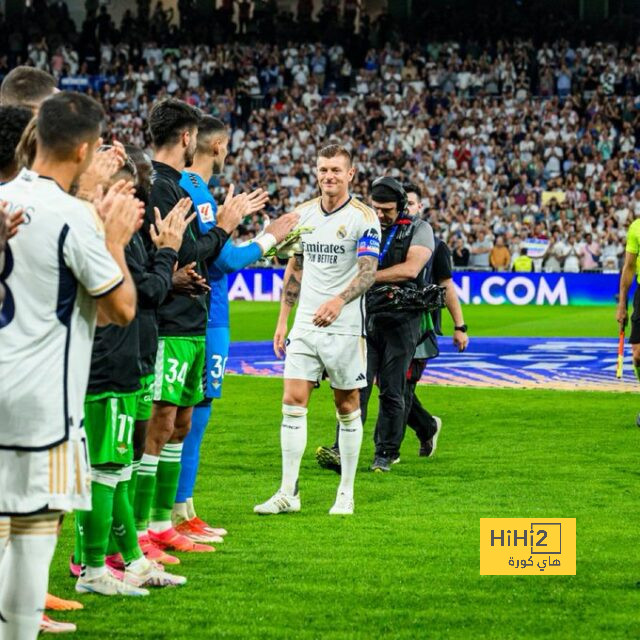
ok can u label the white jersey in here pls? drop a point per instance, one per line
(331, 253)
(54, 268)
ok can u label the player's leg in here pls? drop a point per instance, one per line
(329, 457)
(143, 415)
(189, 385)
(303, 368)
(350, 443)
(172, 361)
(143, 495)
(293, 431)
(183, 510)
(138, 570)
(159, 431)
(109, 420)
(184, 514)
(27, 560)
(293, 441)
(345, 358)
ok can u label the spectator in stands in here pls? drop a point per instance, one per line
(480, 251)
(500, 258)
(460, 254)
(483, 163)
(589, 253)
(523, 263)
(571, 256)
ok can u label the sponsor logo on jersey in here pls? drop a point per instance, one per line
(322, 253)
(205, 211)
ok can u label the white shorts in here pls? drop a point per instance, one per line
(343, 357)
(57, 479)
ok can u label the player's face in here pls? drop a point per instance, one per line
(220, 150)
(413, 204)
(190, 140)
(85, 154)
(334, 175)
(387, 212)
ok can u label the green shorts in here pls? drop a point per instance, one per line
(179, 370)
(145, 397)
(109, 419)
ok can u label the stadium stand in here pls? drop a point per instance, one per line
(510, 142)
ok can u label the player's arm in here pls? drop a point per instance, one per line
(328, 312)
(153, 281)
(288, 300)
(118, 305)
(208, 246)
(626, 279)
(233, 258)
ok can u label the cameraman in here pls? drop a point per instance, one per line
(405, 248)
(437, 271)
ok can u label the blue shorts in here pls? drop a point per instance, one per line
(217, 352)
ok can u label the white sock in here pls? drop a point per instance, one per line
(293, 441)
(138, 565)
(5, 526)
(33, 541)
(349, 442)
(191, 510)
(181, 512)
(158, 526)
(91, 573)
(148, 464)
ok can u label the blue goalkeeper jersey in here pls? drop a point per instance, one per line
(230, 259)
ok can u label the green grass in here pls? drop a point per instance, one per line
(257, 320)
(406, 564)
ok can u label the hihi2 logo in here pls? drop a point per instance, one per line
(514, 546)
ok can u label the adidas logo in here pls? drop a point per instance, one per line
(361, 377)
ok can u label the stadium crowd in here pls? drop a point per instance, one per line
(510, 144)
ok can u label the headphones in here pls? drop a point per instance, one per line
(395, 186)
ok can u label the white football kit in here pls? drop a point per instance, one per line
(330, 254)
(54, 269)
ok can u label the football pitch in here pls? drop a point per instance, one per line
(406, 565)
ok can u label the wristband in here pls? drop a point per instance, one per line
(462, 327)
(266, 242)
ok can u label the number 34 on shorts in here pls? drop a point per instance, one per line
(178, 374)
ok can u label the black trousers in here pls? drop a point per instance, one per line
(417, 417)
(391, 343)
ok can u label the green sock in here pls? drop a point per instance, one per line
(77, 547)
(636, 368)
(124, 526)
(132, 482)
(167, 484)
(96, 524)
(112, 545)
(145, 490)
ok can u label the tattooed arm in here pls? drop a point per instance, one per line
(289, 299)
(328, 312)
